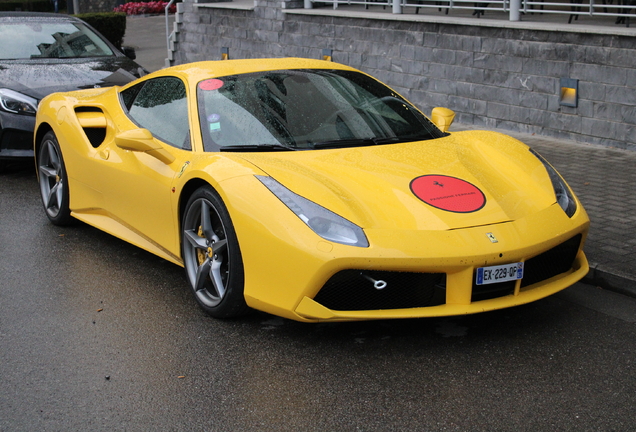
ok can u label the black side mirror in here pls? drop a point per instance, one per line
(129, 52)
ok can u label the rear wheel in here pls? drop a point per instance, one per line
(211, 255)
(53, 181)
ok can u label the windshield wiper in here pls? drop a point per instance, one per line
(357, 142)
(255, 148)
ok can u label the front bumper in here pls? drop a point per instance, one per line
(285, 279)
(16, 135)
(510, 295)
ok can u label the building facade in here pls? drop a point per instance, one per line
(493, 74)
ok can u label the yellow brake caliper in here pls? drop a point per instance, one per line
(200, 253)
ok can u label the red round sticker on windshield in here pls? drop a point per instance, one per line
(211, 84)
(448, 193)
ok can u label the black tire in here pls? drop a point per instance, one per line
(53, 181)
(211, 255)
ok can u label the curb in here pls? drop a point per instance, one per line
(611, 280)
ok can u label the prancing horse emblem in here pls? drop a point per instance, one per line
(492, 238)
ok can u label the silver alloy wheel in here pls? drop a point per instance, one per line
(51, 173)
(206, 256)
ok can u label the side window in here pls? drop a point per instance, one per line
(128, 96)
(160, 106)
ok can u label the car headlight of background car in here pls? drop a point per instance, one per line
(17, 103)
(323, 222)
(561, 190)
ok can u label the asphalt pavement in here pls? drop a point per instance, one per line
(603, 178)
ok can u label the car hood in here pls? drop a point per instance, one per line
(464, 180)
(39, 78)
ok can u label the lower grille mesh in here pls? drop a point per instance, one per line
(351, 290)
(15, 140)
(551, 263)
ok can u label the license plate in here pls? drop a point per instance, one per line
(500, 273)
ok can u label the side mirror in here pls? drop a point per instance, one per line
(443, 118)
(129, 52)
(141, 140)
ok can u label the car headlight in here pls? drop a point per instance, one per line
(17, 103)
(561, 190)
(323, 222)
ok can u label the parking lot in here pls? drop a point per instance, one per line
(98, 334)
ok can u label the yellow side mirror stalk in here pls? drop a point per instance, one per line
(443, 118)
(141, 140)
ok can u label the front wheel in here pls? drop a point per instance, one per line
(53, 181)
(211, 255)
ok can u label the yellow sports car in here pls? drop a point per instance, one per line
(310, 190)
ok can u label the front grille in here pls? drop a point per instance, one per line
(551, 263)
(12, 139)
(490, 291)
(350, 290)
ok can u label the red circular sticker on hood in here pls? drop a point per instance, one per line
(448, 193)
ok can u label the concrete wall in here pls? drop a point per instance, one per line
(506, 78)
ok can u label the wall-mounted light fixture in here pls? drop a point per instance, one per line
(225, 53)
(327, 54)
(569, 92)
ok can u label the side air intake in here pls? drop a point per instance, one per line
(93, 122)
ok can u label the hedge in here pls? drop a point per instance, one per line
(110, 24)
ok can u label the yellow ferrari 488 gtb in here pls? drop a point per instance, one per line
(309, 190)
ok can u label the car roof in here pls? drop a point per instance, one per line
(44, 16)
(218, 68)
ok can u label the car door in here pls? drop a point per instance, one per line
(137, 184)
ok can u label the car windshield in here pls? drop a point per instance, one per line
(34, 39)
(305, 109)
